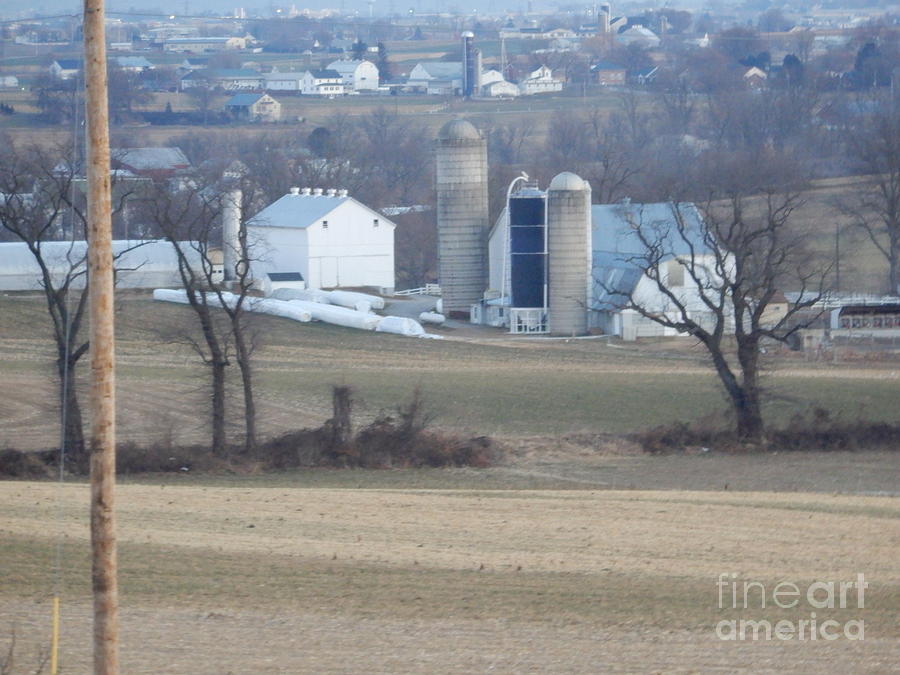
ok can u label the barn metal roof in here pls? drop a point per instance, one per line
(297, 210)
(151, 158)
(241, 100)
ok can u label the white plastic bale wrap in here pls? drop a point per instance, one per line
(280, 308)
(169, 295)
(283, 308)
(310, 295)
(338, 316)
(350, 298)
(400, 325)
(439, 306)
(432, 317)
(363, 306)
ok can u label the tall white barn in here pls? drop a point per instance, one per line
(331, 239)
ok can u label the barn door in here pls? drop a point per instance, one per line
(328, 273)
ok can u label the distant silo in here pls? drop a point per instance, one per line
(604, 18)
(471, 62)
(231, 225)
(462, 215)
(569, 248)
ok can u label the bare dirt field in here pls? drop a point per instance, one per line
(270, 575)
(577, 554)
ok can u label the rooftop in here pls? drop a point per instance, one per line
(297, 210)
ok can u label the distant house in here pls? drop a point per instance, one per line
(436, 77)
(755, 77)
(254, 108)
(610, 74)
(359, 75)
(134, 64)
(9, 82)
(65, 69)
(539, 81)
(328, 237)
(150, 162)
(322, 83)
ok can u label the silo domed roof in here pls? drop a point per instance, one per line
(567, 181)
(456, 130)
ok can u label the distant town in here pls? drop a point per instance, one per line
(243, 66)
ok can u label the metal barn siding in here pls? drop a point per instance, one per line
(462, 215)
(569, 244)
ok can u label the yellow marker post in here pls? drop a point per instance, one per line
(54, 640)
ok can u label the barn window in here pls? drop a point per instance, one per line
(324, 224)
(375, 222)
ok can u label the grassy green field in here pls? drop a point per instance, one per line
(483, 383)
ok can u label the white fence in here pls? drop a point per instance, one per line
(427, 289)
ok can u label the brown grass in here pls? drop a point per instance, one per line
(425, 580)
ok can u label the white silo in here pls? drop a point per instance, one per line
(569, 251)
(231, 226)
(462, 215)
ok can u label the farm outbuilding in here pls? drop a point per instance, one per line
(326, 236)
(253, 108)
(139, 264)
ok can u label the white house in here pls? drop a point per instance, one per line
(356, 75)
(331, 239)
(539, 81)
(322, 83)
(9, 82)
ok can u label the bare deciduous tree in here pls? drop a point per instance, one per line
(736, 253)
(876, 208)
(187, 219)
(41, 206)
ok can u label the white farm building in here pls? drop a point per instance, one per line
(331, 239)
(139, 264)
(356, 75)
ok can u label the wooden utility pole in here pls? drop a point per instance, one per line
(103, 394)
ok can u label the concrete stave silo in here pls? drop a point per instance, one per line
(231, 225)
(569, 249)
(462, 215)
